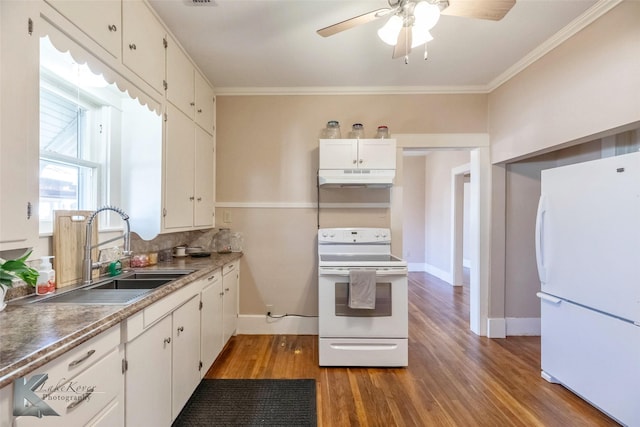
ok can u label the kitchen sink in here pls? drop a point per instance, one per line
(98, 296)
(131, 284)
(121, 290)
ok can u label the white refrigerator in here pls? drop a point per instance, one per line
(588, 255)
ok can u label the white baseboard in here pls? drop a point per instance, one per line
(496, 327)
(513, 326)
(257, 324)
(523, 326)
(440, 274)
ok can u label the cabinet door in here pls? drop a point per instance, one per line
(19, 133)
(204, 104)
(186, 353)
(230, 282)
(148, 379)
(211, 321)
(179, 170)
(180, 74)
(143, 43)
(377, 153)
(204, 178)
(99, 19)
(338, 153)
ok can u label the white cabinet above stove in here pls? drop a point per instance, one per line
(357, 162)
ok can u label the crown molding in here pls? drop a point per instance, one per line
(574, 27)
(349, 90)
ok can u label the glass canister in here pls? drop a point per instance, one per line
(332, 131)
(223, 241)
(383, 132)
(357, 131)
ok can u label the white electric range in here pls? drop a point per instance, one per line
(361, 337)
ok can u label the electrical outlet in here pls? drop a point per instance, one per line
(226, 217)
(269, 308)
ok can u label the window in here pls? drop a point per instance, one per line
(75, 138)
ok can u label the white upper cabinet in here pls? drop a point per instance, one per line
(179, 169)
(101, 20)
(19, 132)
(180, 75)
(204, 180)
(357, 154)
(143, 43)
(189, 174)
(205, 111)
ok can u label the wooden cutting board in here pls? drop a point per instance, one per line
(69, 229)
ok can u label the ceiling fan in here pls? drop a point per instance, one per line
(411, 20)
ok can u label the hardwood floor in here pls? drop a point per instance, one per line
(454, 378)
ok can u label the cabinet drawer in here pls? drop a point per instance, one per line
(82, 398)
(232, 266)
(79, 358)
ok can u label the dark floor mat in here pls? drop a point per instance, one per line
(265, 402)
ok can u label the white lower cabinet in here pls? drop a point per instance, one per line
(211, 341)
(84, 386)
(230, 280)
(148, 379)
(186, 354)
(163, 367)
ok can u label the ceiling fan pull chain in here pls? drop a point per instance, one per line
(406, 59)
(426, 54)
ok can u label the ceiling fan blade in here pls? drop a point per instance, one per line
(355, 21)
(493, 10)
(403, 46)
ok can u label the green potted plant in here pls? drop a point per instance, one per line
(15, 269)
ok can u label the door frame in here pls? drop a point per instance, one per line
(479, 211)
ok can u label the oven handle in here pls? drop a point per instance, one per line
(379, 273)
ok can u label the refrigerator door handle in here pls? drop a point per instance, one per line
(549, 298)
(540, 223)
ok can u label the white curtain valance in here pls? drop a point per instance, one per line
(81, 56)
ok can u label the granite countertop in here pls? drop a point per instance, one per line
(34, 334)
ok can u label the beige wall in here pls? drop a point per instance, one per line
(438, 199)
(413, 206)
(586, 86)
(267, 159)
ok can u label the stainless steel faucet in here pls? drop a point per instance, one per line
(87, 264)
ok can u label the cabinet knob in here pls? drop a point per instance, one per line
(199, 110)
(181, 329)
(221, 294)
(360, 161)
(191, 198)
(199, 199)
(192, 104)
(132, 46)
(355, 161)
(113, 28)
(226, 289)
(167, 340)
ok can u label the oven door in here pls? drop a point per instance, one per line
(389, 319)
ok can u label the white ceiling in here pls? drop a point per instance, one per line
(262, 46)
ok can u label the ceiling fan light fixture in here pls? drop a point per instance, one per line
(419, 36)
(426, 15)
(388, 33)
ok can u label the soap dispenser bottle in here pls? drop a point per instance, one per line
(46, 277)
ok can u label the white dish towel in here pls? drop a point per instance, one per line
(362, 289)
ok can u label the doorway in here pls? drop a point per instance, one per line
(478, 159)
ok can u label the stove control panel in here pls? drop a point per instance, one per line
(354, 235)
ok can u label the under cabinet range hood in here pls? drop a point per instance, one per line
(348, 178)
(357, 163)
